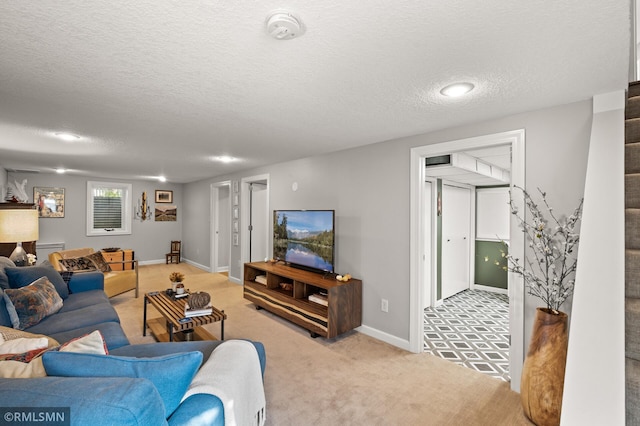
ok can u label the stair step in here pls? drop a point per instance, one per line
(632, 273)
(632, 191)
(632, 158)
(634, 89)
(632, 391)
(633, 108)
(632, 328)
(632, 130)
(632, 228)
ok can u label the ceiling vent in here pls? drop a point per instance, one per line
(283, 25)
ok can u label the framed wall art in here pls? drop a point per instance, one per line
(50, 201)
(166, 213)
(164, 196)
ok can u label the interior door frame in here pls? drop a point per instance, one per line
(244, 217)
(215, 224)
(515, 138)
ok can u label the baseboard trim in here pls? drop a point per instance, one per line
(197, 265)
(151, 262)
(385, 337)
(491, 289)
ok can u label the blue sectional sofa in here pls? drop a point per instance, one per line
(135, 400)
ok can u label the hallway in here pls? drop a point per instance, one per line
(471, 329)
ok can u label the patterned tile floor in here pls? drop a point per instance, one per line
(471, 329)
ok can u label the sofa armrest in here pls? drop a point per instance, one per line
(86, 281)
(207, 409)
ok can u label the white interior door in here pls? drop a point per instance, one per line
(259, 222)
(456, 238)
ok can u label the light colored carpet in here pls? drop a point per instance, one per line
(351, 380)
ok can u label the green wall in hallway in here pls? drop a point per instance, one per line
(490, 264)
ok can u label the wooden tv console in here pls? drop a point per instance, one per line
(344, 299)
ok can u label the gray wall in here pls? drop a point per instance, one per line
(150, 240)
(3, 184)
(369, 189)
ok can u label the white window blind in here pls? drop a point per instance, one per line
(108, 208)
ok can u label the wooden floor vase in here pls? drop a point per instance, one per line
(543, 371)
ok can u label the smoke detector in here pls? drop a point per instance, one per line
(283, 25)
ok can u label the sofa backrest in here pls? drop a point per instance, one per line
(67, 254)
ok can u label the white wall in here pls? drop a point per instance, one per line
(594, 390)
(150, 240)
(368, 187)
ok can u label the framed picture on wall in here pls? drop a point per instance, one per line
(50, 201)
(235, 226)
(166, 213)
(164, 196)
(236, 239)
(235, 186)
(235, 199)
(236, 214)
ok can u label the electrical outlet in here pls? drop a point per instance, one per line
(384, 305)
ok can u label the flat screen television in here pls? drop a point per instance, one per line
(305, 238)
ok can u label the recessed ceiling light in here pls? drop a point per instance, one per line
(61, 171)
(162, 178)
(457, 89)
(225, 159)
(68, 137)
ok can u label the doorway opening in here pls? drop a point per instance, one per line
(254, 219)
(424, 249)
(220, 227)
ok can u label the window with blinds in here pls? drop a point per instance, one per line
(108, 208)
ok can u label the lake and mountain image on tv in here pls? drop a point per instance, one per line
(304, 238)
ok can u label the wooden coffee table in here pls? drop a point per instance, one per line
(173, 324)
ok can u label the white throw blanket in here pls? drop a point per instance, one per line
(232, 373)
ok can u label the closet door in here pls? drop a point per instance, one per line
(456, 239)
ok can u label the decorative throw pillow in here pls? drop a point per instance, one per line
(77, 264)
(5, 262)
(34, 302)
(23, 344)
(20, 277)
(99, 261)
(29, 364)
(7, 334)
(92, 343)
(8, 316)
(170, 374)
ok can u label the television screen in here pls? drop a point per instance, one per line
(304, 238)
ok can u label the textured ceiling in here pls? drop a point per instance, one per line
(158, 87)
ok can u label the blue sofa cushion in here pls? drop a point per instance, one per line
(23, 276)
(166, 348)
(77, 301)
(34, 302)
(85, 281)
(111, 332)
(64, 321)
(97, 402)
(170, 374)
